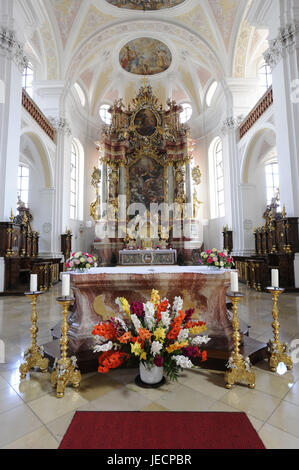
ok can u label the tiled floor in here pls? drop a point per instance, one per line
(32, 417)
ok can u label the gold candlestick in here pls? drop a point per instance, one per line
(65, 369)
(276, 348)
(239, 367)
(34, 356)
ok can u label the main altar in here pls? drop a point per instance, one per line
(146, 183)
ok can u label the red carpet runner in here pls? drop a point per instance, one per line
(160, 430)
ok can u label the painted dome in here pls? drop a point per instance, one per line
(145, 56)
(149, 5)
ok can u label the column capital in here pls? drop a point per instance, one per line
(231, 123)
(12, 47)
(61, 125)
(284, 42)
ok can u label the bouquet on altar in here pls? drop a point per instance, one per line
(155, 333)
(214, 257)
(81, 261)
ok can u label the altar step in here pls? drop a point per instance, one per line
(217, 359)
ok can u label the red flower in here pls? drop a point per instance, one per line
(209, 260)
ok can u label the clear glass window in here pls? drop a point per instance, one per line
(265, 78)
(186, 114)
(219, 179)
(23, 183)
(74, 182)
(272, 180)
(28, 79)
(105, 115)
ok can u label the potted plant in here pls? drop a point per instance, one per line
(163, 338)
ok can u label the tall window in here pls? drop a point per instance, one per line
(219, 178)
(186, 114)
(74, 182)
(28, 79)
(272, 180)
(105, 115)
(23, 183)
(265, 78)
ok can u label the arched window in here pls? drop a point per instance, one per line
(272, 180)
(23, 183)
(105, 115)
(211, 92)
(265, 78)
(80, 94)
(28, 79)
(76, 181)
(216, 179)
(186, 114)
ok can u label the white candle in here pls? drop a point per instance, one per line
(234, 281)
(66, 285)
(33, 283)
(275, 278)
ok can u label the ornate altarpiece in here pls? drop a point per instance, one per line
(146, 156)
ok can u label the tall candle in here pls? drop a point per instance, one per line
(33, 283)
(234, 281)
(66, 285)
(275, 278)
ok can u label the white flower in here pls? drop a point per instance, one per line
(103, 347)
(166, 319)
(200, 340)
(183, 362)
(118, 303)
(177, 304)
(122, 323)
(136, 322)
(100, 339)
(183, 335)
(149, 319)
(156, 348)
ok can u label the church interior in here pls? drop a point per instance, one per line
(153, 145)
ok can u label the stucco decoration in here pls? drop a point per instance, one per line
(145, 56)
(145, 5)
(65, 13)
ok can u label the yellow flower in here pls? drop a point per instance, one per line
(160, 334)
(143, 356)
(136, 349)
(124, 304)
(196, 330)
(175, 346)
(155, 298)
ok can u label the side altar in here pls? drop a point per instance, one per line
(202, 288)
(147, 182)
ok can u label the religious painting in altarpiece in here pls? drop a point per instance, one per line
(146, 182)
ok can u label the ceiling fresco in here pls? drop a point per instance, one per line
(145, 4)
(145, 56)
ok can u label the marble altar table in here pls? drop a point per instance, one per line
(147, 257)
(202, 288)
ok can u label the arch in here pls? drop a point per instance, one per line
(42, 152)
(252, 152)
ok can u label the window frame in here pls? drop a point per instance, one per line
(105, 106)
(273, 187)
(28, 87)
(73, 208)
(22, 177)
(187, 106)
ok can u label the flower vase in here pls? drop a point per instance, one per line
(151, 375)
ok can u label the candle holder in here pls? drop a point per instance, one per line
(65, 369)
(239, 367)
(34, 356)
(276, 348)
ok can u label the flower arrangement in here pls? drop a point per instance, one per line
(154, 333)
(214, 257)
(81, 261)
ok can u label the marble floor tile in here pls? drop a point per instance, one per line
(59, 426)
(154, 407)
(39, 439)
(9, 399)
(274, 438)
(16, 423)
(211, 384)
(121, 399)
(286, 418)
(293, 395)
(186, 399)
(253, 402)
(49, 407)
(96, 386)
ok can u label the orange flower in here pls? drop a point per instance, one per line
(139, 340)
(204, 356)
(161, 308)
(176, 326)
(111, 360)
(125, 338)
(144, 334)
(106, 330)
(192, 324)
